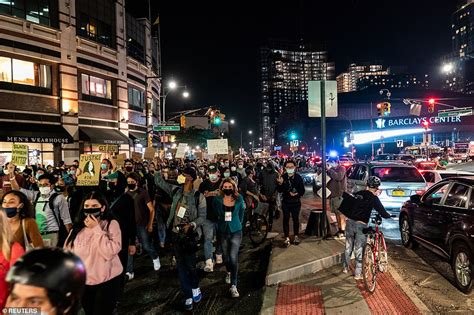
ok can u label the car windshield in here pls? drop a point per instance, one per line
(384, 157)
(398, 174)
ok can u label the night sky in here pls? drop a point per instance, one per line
(213, 46)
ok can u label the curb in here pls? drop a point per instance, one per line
(269, 300)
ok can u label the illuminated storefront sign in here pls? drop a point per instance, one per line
(397, 122)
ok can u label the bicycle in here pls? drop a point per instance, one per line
(374, 259)
(256, 224)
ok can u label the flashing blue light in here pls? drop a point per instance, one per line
(333, 153)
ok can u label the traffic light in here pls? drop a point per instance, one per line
(431, 105)
(293, 136)
(386, 109)
(380, 109)
(182, 121)
(217, 120)
(425, 124)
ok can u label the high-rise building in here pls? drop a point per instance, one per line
(347, 81)
(285, 69)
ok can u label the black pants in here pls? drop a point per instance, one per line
(186, 265)
(101, 299)
(294, 211)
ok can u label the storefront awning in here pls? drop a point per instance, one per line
(102, 136)
(137, 137)
(34, 133)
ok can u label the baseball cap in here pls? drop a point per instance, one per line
(212, 168)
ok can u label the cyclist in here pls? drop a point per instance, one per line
(357, 220)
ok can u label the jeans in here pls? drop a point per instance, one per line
(294, 210)
(186, 265)
(209, 229)
(355, 241)
(161, 228)
(145, 240)
(101, 299)
(230, 246)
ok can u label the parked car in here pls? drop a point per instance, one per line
(346, 161)
(434, 176)
(399, 181)
(442, 220)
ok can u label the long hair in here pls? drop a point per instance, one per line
(27, 211)
(79, 223)
(6, 235)
(235, 194)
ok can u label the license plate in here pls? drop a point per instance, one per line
(398, 193)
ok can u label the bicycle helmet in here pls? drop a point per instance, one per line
(61, 273)
(373, 182)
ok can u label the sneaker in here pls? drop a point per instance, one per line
(209, 267)
(156, 264)
(296, 241)
(188, 305)
(233, 291)
(287, 242)
(130, 276)
(345, 270)
(162, 245)
(197, 296)
(227, 278)
(358, 277)
(173, 261)
(218, 259)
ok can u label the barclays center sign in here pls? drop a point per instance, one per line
(416, 121)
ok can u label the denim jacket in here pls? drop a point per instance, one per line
(235, 224)
(197, 214)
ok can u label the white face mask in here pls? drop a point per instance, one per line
(5, 171)
(233, 168)
(45, 190)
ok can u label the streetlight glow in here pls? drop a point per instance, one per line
(250, 132)
(172, 85)
(232, 121)
(185, 94)
(447, 67)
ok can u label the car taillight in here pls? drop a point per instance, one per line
(420, 191)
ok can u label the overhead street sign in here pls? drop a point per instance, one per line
(399, 143)
(465, 111)
(167, 128)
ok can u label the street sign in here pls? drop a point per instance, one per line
(167, 128)
(465, 111)
(399, 143)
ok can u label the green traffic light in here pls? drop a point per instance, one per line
(217, 121)
(293, 136)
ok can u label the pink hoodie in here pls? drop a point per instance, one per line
(98, 249)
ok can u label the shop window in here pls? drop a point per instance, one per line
(25, 73)
(96, 87)
(136, 98)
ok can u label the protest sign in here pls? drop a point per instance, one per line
(20, 154)
(181, 151)
(217, 146)
(90, 166)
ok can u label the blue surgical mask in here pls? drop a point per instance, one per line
(213, 177)
(38, 176)
(103, 166)
(226, 174)
(290, 170)
(10, 212)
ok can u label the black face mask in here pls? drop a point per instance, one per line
(60, 188)
(131, 186)
(129, 168)
(228, 192)
(93, 212)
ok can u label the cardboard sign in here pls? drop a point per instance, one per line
(217, 146)
(181, 151)
(149, 153)
(107, 148)
(119, 160)
(20, 154)
(90, 166)
(137, 156)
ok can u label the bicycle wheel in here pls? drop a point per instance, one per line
(258, 229)
(369, 268)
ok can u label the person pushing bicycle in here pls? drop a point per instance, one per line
(358, 219)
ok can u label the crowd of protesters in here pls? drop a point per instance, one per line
(95, 232)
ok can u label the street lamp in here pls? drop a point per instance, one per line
(447, 67)
(232, 121)
(172, 85)
(250, 132)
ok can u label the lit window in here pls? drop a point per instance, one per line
(95, 86)
(5, 69)
(25, 72)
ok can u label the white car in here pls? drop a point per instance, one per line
(434, 176)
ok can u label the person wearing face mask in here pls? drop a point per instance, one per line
(128, 166)
(10, 251)
(51, 209)
(241, 169)
(97, 240)
(144, 216)
(292, 188)
(187, 213)
(210, 188)
(49, 279)
(150, 180)
(20, 214)
(5, 181)
(229, 206)
(66, 186)
(112, 183)
(268, 181)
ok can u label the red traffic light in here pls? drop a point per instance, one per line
(379, 105)
(425, 124)
(431, 101)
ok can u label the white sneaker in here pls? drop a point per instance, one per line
(156, 264)
(287, 242)
(209, 266)
(227, 278)
(233, 291)
(219, 259)
(344, 270)
(130, 276)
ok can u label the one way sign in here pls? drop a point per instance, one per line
(399, 143)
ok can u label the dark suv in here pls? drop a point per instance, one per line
(442, 219)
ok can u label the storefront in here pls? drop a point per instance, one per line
(44, 141)
(101, 140)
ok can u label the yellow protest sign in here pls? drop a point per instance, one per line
(90, 166)
(20, 154)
